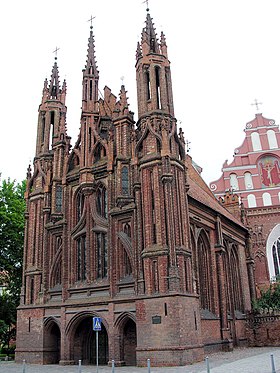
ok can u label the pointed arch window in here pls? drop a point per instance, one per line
(101, 201)
(235, 280)
(148, 84)
(276, 256)
(272, 140)
(99, 152)
(58, 198)
(204, 272)
(248, 180)
(81, 258)
(102, 255)
(80, 205)
(125, 181)
(157, 73)
(256, 142)
(127, 229)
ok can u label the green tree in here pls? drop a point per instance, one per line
(12, 207)
(269, 299)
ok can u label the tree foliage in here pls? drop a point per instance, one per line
(12, 207)
(269, 301)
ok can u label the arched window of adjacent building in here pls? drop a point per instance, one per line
(273, 252)
(251, 198)
(204, 272)
(256, 142)
(58, 198)
(233, 181)
(80, 205)
(125, 181)
(248, 180)
(266, 199)
(272, 140)
(279, 196)
(81, 258)
(101, 201)
(102, 255)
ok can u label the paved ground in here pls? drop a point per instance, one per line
(245, 360)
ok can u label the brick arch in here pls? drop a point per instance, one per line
(51, 340)
(126, 328)
(75, 321)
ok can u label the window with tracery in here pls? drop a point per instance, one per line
(125, 181)
(101, 201)
(102, 255)
(80, 205)
(81, 258)
(204, 273)
(58, 198)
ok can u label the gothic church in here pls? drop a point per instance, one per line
(121, 226)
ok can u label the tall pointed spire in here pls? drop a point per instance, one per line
(154, 85)
(90, 77)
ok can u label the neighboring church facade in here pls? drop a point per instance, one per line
(123, 227)
(254, 175)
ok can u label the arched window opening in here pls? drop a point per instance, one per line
(102, 255)
(266, 199)
(204, 273)
(155, 276)
(248, 180)
(153, 45)
(157, 73)
(80, 205)
(233, 181)
(101, 202)
(127, 229)
(256, 142)
(90, 89)
(51, 134)
(276, 256)
(99, 153)
(279, 196)
(272, 140)
(58, 198)
(43, 128)
(81, 258)
(251, 198)
(148, 84)
(235, 283)
(85, 91)
(125, 181)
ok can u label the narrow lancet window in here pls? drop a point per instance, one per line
(125, 181)
(157, 71)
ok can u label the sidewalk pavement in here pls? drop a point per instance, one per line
(241, 360)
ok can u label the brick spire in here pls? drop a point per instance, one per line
(90, 78)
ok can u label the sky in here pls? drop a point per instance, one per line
(224, 55)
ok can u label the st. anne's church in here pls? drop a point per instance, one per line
(120, 225)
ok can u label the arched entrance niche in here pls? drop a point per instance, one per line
(83, 340)
(51, 341)
(126, 325)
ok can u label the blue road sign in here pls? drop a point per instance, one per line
(97, 324)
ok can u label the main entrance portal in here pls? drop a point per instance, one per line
(84, 347)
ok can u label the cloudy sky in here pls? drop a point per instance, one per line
(224, 55)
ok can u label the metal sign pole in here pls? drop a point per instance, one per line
(96, 351)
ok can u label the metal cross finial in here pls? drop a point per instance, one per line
(90, 20)
(55, 51)
(147, 4)
(122, 79)
(257, 104)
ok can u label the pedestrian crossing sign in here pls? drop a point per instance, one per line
(97, 324)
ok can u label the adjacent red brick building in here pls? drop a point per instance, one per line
(122, 227)
(254, 175)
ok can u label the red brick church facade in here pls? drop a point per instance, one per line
(122, 227)
(254, 176)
